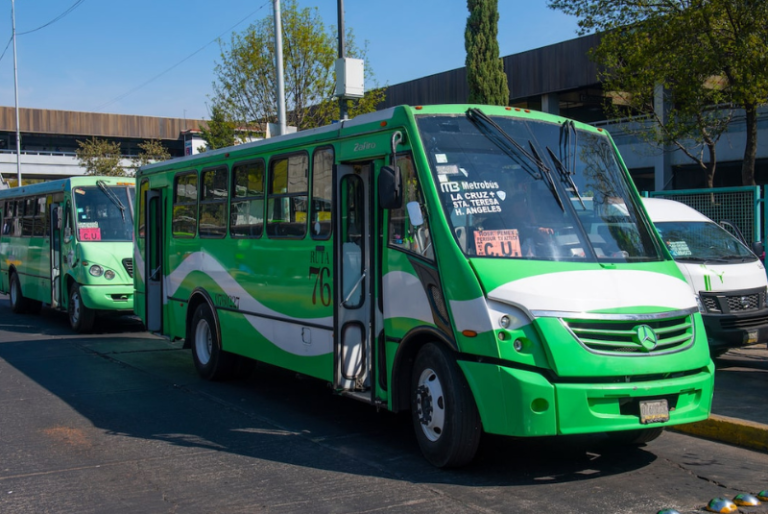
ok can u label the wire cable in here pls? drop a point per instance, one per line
(57, 18)
(128, 93)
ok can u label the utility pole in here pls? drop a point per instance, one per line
(279, 68)
(16, 94)
(343, 114)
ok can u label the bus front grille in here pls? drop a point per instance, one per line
(632, 337)
(128, 265)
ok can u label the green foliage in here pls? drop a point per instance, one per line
(705, 53)
(245, 76)
(220, 132)
(100, 157)
(151, 151)
(485, 70)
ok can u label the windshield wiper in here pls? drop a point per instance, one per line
(112, 196)
(491, 130)
(565, 175)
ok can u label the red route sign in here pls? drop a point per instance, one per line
(498, 243)
(89, 234)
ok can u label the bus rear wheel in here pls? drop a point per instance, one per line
(19, 304)
(444, 414)
(211, 361)
(81, 318)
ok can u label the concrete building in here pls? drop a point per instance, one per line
(49, 139)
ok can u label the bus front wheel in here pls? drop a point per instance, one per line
(211, 361)
(19, 304)
(445, 417)
(81, 318)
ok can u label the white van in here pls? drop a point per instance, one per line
(728, 279)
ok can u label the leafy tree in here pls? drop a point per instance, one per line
(151, 151)
(245, 77)
(704, 52)
(100, 157)
(485, 70)
(220, 132)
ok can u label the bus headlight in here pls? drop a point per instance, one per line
(109, 274)
(96, 270)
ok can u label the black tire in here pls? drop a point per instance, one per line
(19, 304)
(635, 437)
(211, 361)
(444, 413)
(81, 318)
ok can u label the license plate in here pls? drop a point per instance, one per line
(750, 337)
(654, 411)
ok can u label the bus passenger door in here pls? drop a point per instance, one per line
(153, 269)
(56, 213)
(352, 324)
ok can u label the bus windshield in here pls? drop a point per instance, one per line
(104, 212)
(529, 189)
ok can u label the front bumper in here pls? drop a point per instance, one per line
(731, 330)
(108, 298)
(517, 402)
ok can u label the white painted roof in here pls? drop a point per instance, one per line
(661, 210)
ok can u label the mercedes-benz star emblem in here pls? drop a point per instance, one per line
(645, 337)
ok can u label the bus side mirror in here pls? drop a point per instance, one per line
(758, 248)
(390, 188)
(67, 234)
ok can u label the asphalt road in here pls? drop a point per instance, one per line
(119, 422)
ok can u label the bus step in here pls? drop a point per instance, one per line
(361, 396)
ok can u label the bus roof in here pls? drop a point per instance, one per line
(54, 186)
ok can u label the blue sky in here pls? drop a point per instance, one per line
(104, 49)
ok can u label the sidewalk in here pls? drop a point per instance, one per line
(740, 405)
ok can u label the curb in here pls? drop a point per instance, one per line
(738, 432)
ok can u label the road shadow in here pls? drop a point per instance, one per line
(148, 391)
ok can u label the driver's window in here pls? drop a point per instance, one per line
(404, 234)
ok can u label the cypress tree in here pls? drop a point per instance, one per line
(485, 71)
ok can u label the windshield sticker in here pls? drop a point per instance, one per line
(441, 158)
(442, 178)
(498, 243)
(79, 191)
(679, 248)
(89, 234)
(483, 184)
(83, 224)
(448, 169)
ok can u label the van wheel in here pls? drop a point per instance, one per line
(81, 318)
(211, 361)
(19, 304)
(444, 414)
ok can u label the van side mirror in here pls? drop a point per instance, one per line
(390, 188)
(758, 248)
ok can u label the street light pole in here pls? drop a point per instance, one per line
(16, 94)
(279, 68)
(343, 114)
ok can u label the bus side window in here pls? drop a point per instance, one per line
(321, 216)
(184, 222)
(213, 202)
(246, 212)
(402, 233)
(287, 203)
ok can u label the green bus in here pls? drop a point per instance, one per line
(68, 244)
(489, 269)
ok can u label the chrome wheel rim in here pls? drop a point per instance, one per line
(203, 342)
(430, 404)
